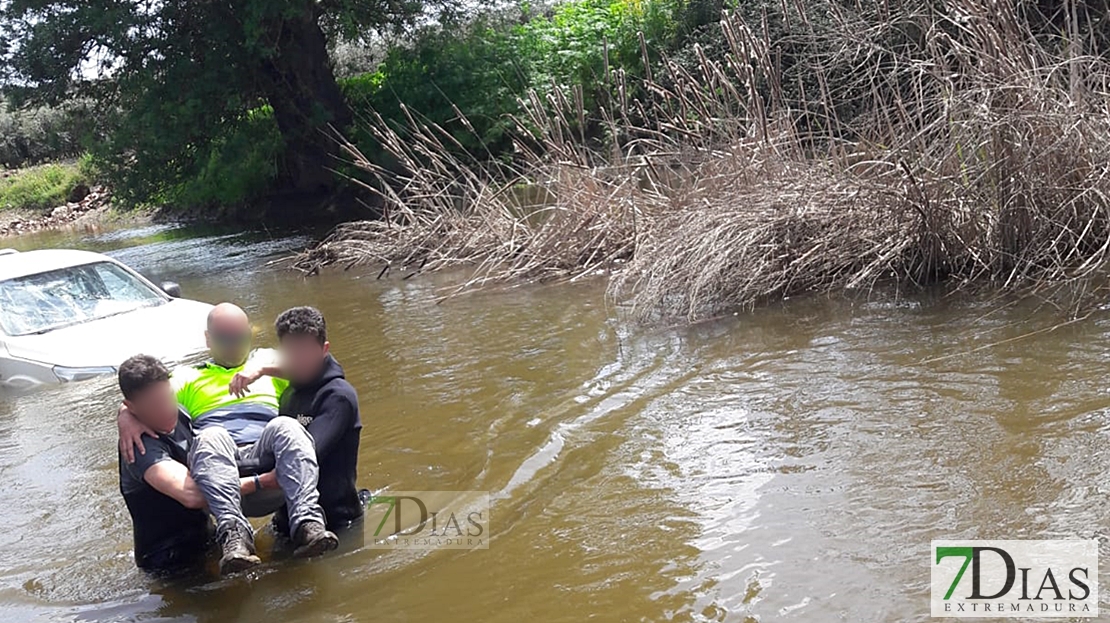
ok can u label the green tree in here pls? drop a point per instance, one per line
(172, 77)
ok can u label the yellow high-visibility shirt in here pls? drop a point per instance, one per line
(204, 388)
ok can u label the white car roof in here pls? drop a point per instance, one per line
(15, 264)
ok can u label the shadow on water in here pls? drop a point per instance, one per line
(791, 464)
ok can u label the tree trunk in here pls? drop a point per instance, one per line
(298, 82)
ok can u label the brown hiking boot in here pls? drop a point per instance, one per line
(237, 543)
(313, 539)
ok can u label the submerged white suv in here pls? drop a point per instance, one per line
(71, 315)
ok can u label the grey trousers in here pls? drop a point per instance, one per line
(215, 464)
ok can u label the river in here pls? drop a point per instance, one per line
(792, 464)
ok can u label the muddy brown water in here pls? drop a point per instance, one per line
(792, 464)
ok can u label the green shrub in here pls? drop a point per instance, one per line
(40, 187)
(477, 69)
(34, 135)
(581, 39)
(89, 169)
(241, 166)
(468, 78)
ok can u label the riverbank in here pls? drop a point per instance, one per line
(50, 196)
(989, 173)
(309, 214)
(91, 209)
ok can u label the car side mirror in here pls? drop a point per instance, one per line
(171, 288)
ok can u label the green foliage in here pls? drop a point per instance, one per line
(476, 70)
(468, 77)
(32, 135)
(240, 166)
(89, 170)
(234, 101)
(177, 78)
(41, 187)
(585, 41)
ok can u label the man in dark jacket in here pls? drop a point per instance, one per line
(327, 405)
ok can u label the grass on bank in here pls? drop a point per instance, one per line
(39, 187)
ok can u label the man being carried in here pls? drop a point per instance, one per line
(202, 390)
(243, 436)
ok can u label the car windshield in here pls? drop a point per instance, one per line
(67, 296)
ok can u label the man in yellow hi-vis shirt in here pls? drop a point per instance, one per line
(242, 435)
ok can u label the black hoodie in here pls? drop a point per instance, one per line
(328, 408)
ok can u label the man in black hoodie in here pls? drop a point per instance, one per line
(326, 404)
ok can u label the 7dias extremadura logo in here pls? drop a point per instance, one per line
(428, 520)
(1027, 579)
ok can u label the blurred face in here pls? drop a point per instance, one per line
(156, 406)
(302, 357)
(229, 337)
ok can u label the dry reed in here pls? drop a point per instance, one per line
(981, 162)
